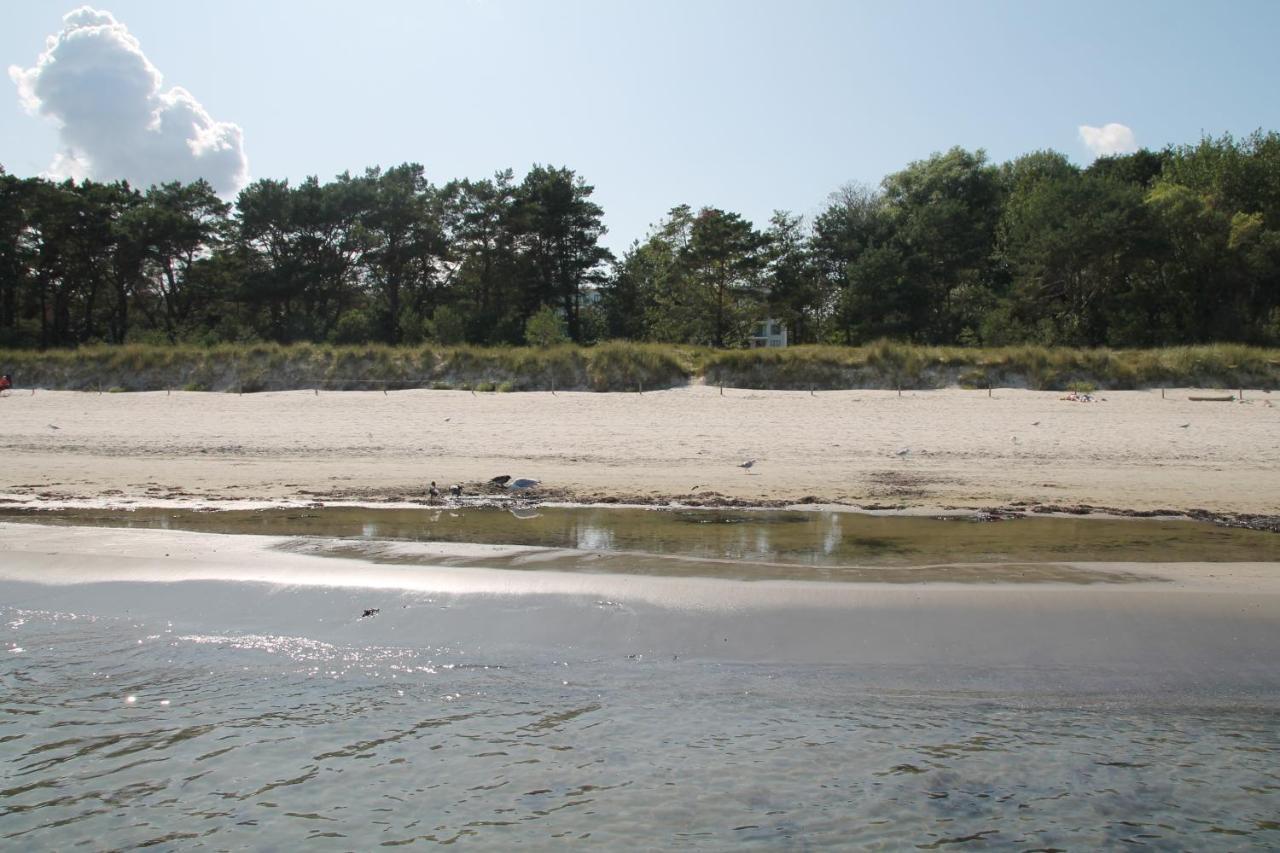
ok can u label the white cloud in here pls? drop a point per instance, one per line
(114, 119)
(1109, 139)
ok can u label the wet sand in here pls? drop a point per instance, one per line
(963, 448)
(1176, 627)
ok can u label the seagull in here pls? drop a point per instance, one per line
(51, 426)
(433, 491)
(455, 490)
(446, 420)
(501, 480)
(1184, 426)
(371, 611)
(1035, 423)
(903, 452)
(747, 466)
(523, 483)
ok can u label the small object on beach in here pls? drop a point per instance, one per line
(455, 490)
(902, 451)
(446, 420)
(51, 426)
(1035, 423)
(523, 483)
(695, 488)
(501, 480)
(1184, 426)
(370, 612)
(748, 465)
(433, 491)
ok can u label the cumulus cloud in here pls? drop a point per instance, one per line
(115, 119)
(1109, 139)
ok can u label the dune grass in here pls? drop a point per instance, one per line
(273, 367)
(622, 366)
(886, 364)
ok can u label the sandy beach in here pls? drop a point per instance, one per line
(1131, 450)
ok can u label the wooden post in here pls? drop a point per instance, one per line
(640, 384)
(1161, 393)
(988, 390)
(1242, 394)
(811, 394)
(899, 390)
(721, 389)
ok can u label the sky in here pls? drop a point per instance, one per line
(746, 106)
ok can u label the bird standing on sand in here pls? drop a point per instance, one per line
(748, 465)
(433, 491)
(501, 480)
(455, 490)
(902, 451)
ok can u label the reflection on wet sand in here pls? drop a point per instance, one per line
(832, 545)
(638, 563)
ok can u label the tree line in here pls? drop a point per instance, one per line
(1154, 248)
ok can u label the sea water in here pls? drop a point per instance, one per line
(172, 720)
(118, 733)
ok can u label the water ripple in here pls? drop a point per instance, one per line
(272, 741)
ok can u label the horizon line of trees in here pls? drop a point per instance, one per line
(1153, 248)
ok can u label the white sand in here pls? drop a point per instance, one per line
(966, 449)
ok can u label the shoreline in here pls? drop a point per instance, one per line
(1247, 521)
(1169, 628)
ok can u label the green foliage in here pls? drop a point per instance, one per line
(1150, 249)
(446, 326)
(545, 328)
(353, 327)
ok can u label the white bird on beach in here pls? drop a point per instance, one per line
(748, 465)
(523, 483)
(902, 452)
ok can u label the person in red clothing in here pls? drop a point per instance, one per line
(5, 383)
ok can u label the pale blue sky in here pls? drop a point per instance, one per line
(749, 106)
